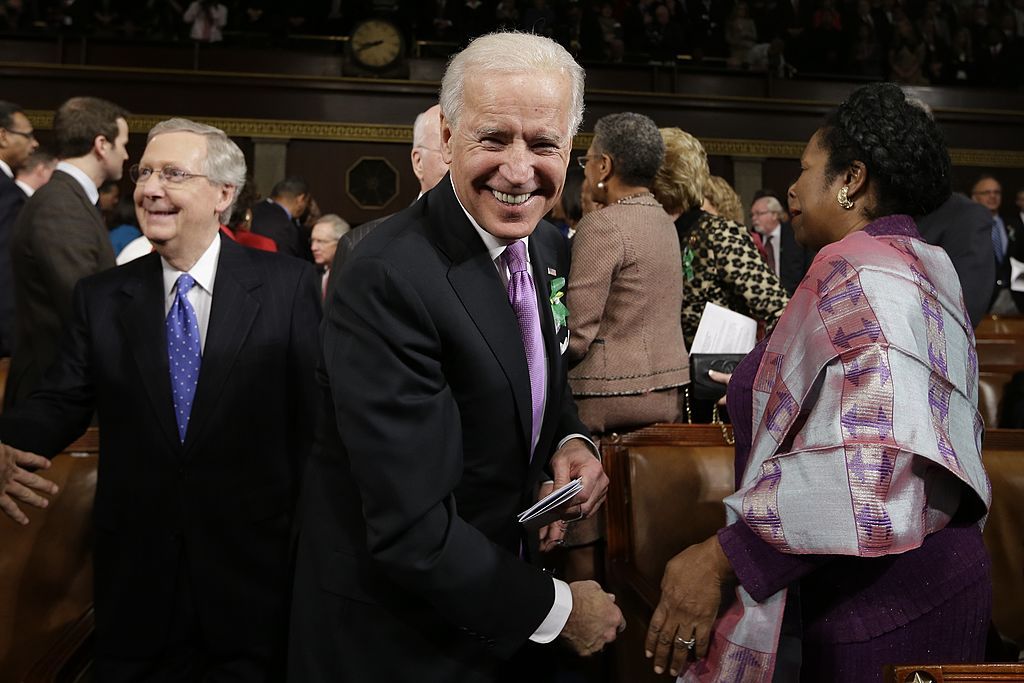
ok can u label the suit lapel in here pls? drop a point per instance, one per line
(232, 314)
(142, 322)
(544, 262)
(476, 283)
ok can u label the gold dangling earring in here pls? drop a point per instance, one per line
(844, 198)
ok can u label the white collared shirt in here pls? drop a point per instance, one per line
(204, 272)
(83, 179)
(25, 187)
(5, 167)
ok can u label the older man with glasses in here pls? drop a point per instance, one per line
(199, 361)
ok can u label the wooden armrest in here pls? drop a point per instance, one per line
(954, 673)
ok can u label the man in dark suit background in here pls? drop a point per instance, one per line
(277, 217)
(200, 364)
(964, 230)
(988, 192)
(785, 257)
(60, 236)
(440, 423)
(17, 142)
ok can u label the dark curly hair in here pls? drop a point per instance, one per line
(899, 143)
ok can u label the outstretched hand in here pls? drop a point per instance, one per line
(17, 483)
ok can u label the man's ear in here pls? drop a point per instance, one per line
(99, 146)
(227, 194)
(446, 140)
(417, 163)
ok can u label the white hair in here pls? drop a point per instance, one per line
(510, 52)
(771, 204)
(421, 125)
(225, 163)
(339, 226)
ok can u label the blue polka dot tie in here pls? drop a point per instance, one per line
(183, 352)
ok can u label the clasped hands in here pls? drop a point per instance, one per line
(17, 483)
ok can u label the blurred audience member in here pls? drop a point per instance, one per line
(239, 223)
(110, 195)
(60, 236)
(277, 217)
(35, 172)
(625, 290)
(206, 19)
(740, 34)
(989, 193)
(17, 143)
(126, 224)
(721, 200)
(569, 209)
(720, 262)
(785, 256)
(324, 242)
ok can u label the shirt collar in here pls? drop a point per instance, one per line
(204, 272)
(25, 187)
(774, 234)
(83, 179)
(285, 208)
(495, 245)
(6, 168)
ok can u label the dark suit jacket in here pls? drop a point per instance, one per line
(271, 220)
(218, 508)
(11, 200)
(346, 245)
(794, 260)
(408, 556)
(963, 228)
(58, 239)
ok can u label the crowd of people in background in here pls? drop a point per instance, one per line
(913, 42)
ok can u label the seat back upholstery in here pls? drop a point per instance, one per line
(46, 567)
(1004, 529)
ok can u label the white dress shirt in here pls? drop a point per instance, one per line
(6, 169)
(204, 272)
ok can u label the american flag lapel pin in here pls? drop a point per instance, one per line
(552, 272)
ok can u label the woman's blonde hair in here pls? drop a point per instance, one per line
(679, 185)
(725, 200)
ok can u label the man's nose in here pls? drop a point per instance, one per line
(518, 166)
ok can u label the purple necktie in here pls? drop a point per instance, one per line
(523, 298)
(183, 352)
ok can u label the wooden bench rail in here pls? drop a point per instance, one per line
(955, 673)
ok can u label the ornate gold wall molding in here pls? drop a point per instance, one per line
(276, 129)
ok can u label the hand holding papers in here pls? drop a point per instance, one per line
(551, 507)
(723, 338)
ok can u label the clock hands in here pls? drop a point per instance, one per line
(366, 46)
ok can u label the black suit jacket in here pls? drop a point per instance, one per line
(218, 508)
(58, 239)
(11, 200)
(409, 552)
(963, 228)
(794, 260)
(271, 220)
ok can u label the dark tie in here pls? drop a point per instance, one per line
(184, 352)
(769, 253)
(998, 240)
(523, 298)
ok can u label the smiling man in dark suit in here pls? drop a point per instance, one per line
(448, 401)
(200, 364)
(60, 236)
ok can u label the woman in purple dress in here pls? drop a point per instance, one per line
(854, 538)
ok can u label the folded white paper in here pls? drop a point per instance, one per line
(724, 331)
(548, 508)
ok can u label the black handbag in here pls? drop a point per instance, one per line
(703, 387)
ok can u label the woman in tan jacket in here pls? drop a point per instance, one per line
(625, 286)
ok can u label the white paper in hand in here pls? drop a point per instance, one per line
(724, 331)
(548, 508)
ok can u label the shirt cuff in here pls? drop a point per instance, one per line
(590, 444)
(554, 622)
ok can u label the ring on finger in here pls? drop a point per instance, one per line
(689, 644)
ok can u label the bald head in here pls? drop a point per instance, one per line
(427, 163)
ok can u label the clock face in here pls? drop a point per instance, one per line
(376, 43)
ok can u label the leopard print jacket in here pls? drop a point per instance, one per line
(721, 264)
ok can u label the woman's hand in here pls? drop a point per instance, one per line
(721, 378)
(691, 594)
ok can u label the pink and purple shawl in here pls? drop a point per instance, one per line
(865, 425)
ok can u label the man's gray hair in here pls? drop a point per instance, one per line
(511, 52)
(420, 126)
(225, 163)
(339, 226)
(772, 204)
(634, 144)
